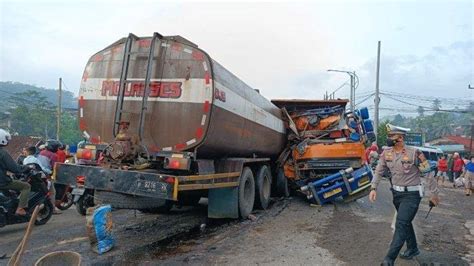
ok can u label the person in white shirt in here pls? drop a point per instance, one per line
(31, 158)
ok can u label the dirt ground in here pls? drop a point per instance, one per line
(293, 233)
(290, 232)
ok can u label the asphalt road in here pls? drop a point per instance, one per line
(290, 232)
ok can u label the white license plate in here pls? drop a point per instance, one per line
(78, 191)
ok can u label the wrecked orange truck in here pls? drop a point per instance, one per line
(324, 139)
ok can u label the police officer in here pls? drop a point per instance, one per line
(406, 165)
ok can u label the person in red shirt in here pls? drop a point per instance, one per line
(458, 166)
(61, 154)
(373, 147)
(442, 168)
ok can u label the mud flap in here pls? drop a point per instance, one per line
(223, 203)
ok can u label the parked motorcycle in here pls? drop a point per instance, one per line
(83, 197)
(38, 197)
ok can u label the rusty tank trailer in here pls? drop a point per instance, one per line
(192, 103)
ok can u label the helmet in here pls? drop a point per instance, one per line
(53, 145)
(5, 137)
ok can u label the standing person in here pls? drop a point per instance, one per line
(405, 164)
(51, 147)
(370, 149)
(469, 177)
(6, 182)
(61, 154)
(442, 169)
(458, 165)
(450, 168)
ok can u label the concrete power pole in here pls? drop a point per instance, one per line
(58, 126)
(377, 98)
(352, 93)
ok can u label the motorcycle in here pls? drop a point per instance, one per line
(38, 196)
(83, 197)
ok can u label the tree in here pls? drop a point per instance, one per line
(436, 104)
(32, 115)
(70, 133)
(382, 134)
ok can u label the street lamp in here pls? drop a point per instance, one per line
(354, 84)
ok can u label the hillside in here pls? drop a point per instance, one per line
(9, 88)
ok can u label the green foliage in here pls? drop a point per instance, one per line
(382, 134)
(438, 124)
(8, 90)
(70, 133)
(32, 115)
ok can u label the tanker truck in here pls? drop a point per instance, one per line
(166, 124)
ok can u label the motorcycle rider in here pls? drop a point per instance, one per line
(6, 182)
(30, 158)
(51, 147)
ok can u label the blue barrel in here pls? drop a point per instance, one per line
(368, 126)
(354, 136)
(364, 113)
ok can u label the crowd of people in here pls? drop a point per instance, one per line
(459, 171)
(453, 168)
(43, 155)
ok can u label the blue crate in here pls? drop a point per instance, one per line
(364, 113)
(329, 194)
(360, 178)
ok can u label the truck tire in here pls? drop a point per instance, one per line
(263, 187)
(246, 192)
(123, 201)
(281, 186)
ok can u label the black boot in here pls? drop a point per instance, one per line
(387, 262)
(409, 254)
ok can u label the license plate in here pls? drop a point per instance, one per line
(151, 186)
(78, 191)
(364, 180)
(332, 192)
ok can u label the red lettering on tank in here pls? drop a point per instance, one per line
(170, 90)
(137, 89)
(219, 95)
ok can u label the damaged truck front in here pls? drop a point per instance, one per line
(325, 154)
(166, 124)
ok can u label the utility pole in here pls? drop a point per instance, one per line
(58, 126)
(377, 98)
(472, 133)
(352, 93)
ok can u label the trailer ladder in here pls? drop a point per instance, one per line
(124, 82)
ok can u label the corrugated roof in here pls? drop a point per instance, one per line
(17, 143)
(465, 141)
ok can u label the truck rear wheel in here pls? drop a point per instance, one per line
(263, 186)
(123, 201)
(246, 192)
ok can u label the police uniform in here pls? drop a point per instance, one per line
(407, 191)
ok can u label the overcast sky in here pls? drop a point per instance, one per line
(281, 48)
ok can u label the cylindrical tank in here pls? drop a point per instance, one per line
(194, 104)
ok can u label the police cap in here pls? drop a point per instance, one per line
(395, 130)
